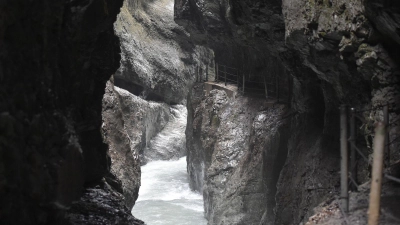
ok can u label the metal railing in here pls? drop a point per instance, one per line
(381, 146)
(268, 86)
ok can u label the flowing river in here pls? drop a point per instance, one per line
(164, 196)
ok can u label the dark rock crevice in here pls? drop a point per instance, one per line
(336, 52)
(55, 59)
(236, 149)
(56, 56)
(145, 98)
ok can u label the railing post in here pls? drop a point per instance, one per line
(344, 170)
(206, 72)
(290, 85)
(377, 168)
(216, 71)
(197, 73)
(353, 168)
(244, 80)
(225, 74)
(237, 78)
(277, 87)
(386, 121)
(266, 89)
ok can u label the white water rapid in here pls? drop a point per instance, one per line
(164, 196)
(170, 143)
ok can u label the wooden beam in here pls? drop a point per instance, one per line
(216, 71)
(265, 88)
(377, 169)
(344, 166)
(225, 75)
(244, 80)
(207, 72)
(386, 121)
(353, 168)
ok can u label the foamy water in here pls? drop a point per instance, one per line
(164, 196)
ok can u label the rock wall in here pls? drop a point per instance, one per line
(246, 34)
(101, 204)
(335, 52)
(129, 123)
(55, 59)
(236, 148)
(158, 64)
(347, 61)
(170, 143)
(158, 59)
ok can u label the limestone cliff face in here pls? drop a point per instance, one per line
(336, 52)
(159, 60)
(236, 148)
(159, 63)
(55, 59)
(347, 60)
(247, 34)
(129, 123)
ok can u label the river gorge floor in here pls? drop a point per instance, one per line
(93, 93)
(165, 197)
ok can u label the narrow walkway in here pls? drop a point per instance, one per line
(274, 87)
(230, 89)
(271, 86)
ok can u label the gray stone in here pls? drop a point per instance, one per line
(129, 123)
(235, 152)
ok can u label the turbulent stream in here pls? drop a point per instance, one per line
(165, 197)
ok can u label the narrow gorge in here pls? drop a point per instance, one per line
(196, 112)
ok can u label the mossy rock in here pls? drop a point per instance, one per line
(215, 121)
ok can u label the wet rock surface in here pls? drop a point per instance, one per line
(235, 153)
(129, 123)
(55, 59)
(348, 59)
(158, 64)
(101, 204)
(169, 144)
(247, 35)
(159, 60)
(335, 52)
(329, 211)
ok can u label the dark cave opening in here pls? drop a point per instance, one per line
(316, 104)
(129, 86)
(139, 90)
(55, 58)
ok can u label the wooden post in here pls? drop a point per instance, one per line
(217, 72)
(197, 73)
(290, 85)
(206, 72)
(277, 87)
(344, 168)
(237, 78)
(225, 75)
(377, 168)
(266, 89)
(244, 80)
(353, 168)
(386, 121)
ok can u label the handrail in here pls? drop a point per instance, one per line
(256, 88)
(229, 73)
(269, 84)
(227, 66)
(231, 80)
(381, 146)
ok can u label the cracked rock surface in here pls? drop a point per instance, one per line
(334, 52)
(235, 152)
